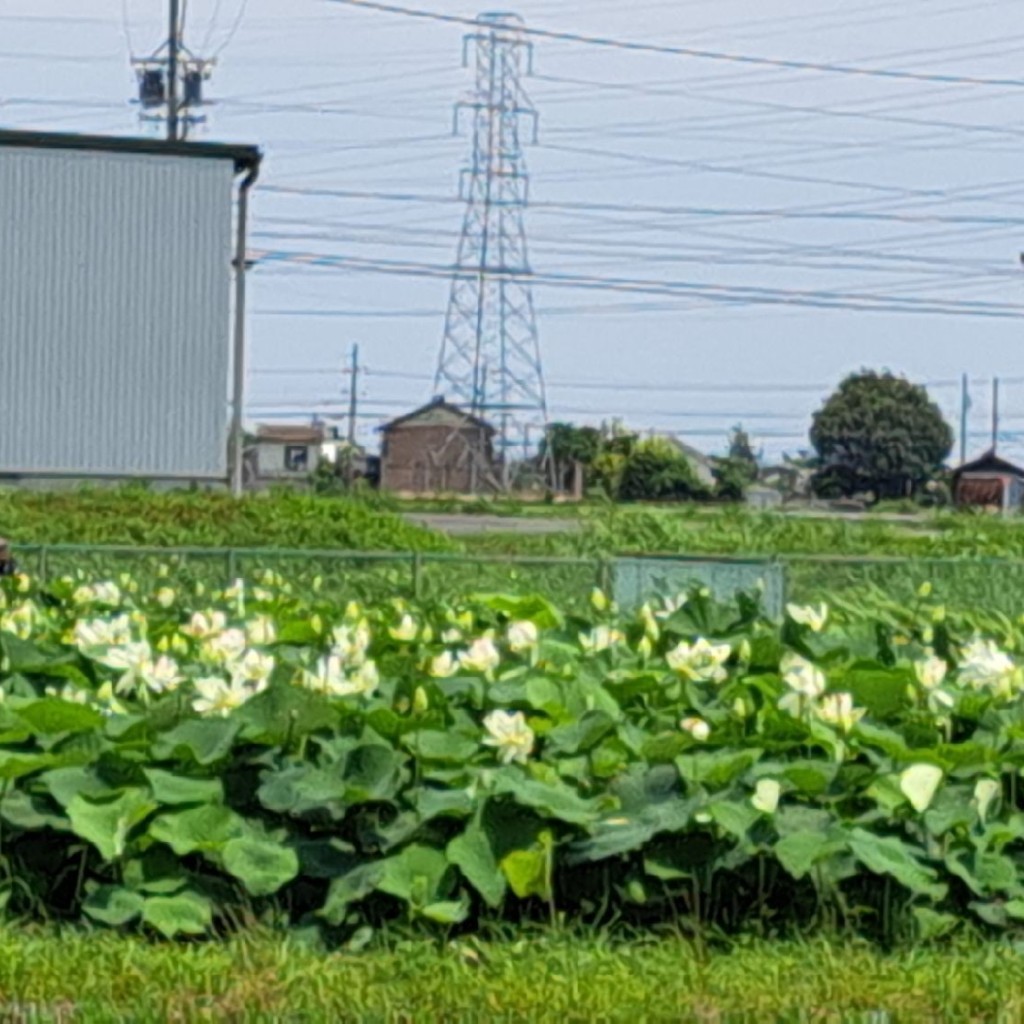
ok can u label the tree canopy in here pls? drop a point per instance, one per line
(878, 433)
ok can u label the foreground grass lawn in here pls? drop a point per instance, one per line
(77, 977)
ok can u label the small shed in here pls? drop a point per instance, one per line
(437, 448)
(989, 482)
(288, 452)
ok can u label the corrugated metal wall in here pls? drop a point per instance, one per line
(115, 313)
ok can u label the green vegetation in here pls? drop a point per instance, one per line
(732, 530)
(135, 515)
(180, 762)
(879, 434)
(571, 978)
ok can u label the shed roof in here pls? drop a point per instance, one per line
(282, 433)
(438, 411)
(990, 462)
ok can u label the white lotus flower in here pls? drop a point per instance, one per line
(21, 620)
(930, 671)
(986, 791)
(510, 735)
(697, 728)
(837, 709)
(261, 631)
(134, 657)
(806, 615)
(328, 677)
(482, 657)
(451, 636)
(766, 795)
(444, 665)
(331, 678)
(161, 676)
(351, 642)
(801, 676)
(165, 597)
(600, 638)
(204, 625)
(701, 661)
(105, 593)
(225, 647)
(217, 697)
(91, 634)
(253, 667)
(406, 631)
(919, 783)
(522, 637)
(984, 666)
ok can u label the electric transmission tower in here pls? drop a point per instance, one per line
(171, 80)
(490, 357)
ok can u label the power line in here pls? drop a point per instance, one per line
(742, 294)
(700, 54)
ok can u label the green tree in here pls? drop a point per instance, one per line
(739, 469)
(655, 470)
(881, 434)
(566, 444)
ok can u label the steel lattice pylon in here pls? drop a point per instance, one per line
(490, 357)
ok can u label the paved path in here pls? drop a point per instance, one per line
(456, 525)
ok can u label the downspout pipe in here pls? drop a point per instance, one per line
(237, 440)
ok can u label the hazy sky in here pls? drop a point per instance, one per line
(770, 184)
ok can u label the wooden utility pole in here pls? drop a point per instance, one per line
(965, 404)
(995, 413)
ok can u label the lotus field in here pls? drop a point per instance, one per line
(184, 762)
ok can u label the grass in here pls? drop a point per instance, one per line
(133, 515)
(101, 977)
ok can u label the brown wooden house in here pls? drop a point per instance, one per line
(438, 448)
(989, 482)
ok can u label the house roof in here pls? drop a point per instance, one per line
(436, 412)
(990, 462)
(281, 433)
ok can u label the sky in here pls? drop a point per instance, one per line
(789, 224)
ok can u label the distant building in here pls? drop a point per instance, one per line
(283, 453)
(989, 482)
(703, 466)
(762, 497)
(438, 448)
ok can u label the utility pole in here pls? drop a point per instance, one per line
(171, 79)
(995, 413)
(353, 396)
(173, 46)
(965, 404)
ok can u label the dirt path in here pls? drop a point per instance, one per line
(457, 525)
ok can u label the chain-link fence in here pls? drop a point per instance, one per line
(994, 585)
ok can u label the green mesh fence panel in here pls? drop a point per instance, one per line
(982, 585)
(640, 579)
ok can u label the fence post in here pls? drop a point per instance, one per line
(417, 575)
(604, 577)
(44, 560)
(232, 567)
